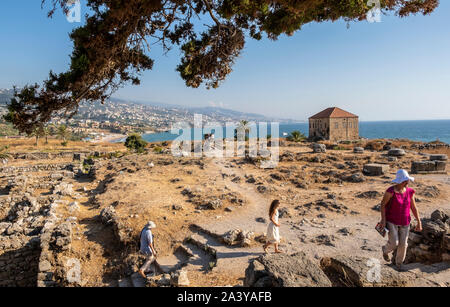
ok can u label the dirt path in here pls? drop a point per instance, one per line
(347, 235)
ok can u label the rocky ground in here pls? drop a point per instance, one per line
(89, 207)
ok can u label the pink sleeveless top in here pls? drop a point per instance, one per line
(398, 210)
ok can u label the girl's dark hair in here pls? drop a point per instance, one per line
(272, 207)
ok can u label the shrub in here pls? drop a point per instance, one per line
(4, 152)
(116, 154)
(339, 148)
(135, 143)
(158, 149)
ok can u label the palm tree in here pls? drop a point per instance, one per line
(296, 136)
(37, 133)
(48, 131)
(63, 132)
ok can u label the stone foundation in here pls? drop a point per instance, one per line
(436, 164)
(432, 245)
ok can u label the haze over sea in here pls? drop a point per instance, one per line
(418, 130)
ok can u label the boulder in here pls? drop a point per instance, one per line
(44, 266)
(164, 281)
(4, 226)
(440, 215)
(355, 271)
(358, 150)
(255, 272)
(369, 194)
(285, 213)
(246, 238)
(74, 207)
(430, 191)
(319, 148)
(214, 204)
(282, 270)
(231, 237)
(237, 236)
(433, 230)
(355, 178)
(177, 207)
(251, 179)
(62, 236)
(179, 279)
(108, 215)
(77, 156)
(64, 189)
(396, 152)
(446, 242)
(415, 237)
(262, 189)
(374, 169)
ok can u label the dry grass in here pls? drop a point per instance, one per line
(445, 151)
(23, 145)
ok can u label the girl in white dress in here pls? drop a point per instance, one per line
(273, 230)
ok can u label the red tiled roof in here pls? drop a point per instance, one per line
(333, 113)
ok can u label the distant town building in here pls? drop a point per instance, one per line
(334, 124)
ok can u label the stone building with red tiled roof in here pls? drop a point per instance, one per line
(334, 124)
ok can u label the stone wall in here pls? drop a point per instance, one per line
(19, 266)
(47, 155)
(56, 238)
(344, 129)
(432, 245)
(20, 228)
(35, 168)
(334, 129)
(436, 164)
(319, 127)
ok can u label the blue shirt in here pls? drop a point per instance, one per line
(146, 240)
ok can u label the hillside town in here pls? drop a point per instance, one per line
(118, 117)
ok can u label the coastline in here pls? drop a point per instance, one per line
(110, 138)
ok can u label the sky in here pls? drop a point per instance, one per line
(397, 69)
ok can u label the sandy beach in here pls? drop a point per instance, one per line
(110, 138)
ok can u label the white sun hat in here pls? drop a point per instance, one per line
(150, 225)
(402, 176)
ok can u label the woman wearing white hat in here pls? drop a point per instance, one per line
(396, 206)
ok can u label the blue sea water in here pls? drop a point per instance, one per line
(423, 130)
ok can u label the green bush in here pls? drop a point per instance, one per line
(136, 143)
(158, 149)
(4, 152)
(116, 154)
(339, 148)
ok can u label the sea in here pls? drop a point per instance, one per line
(418, 130)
